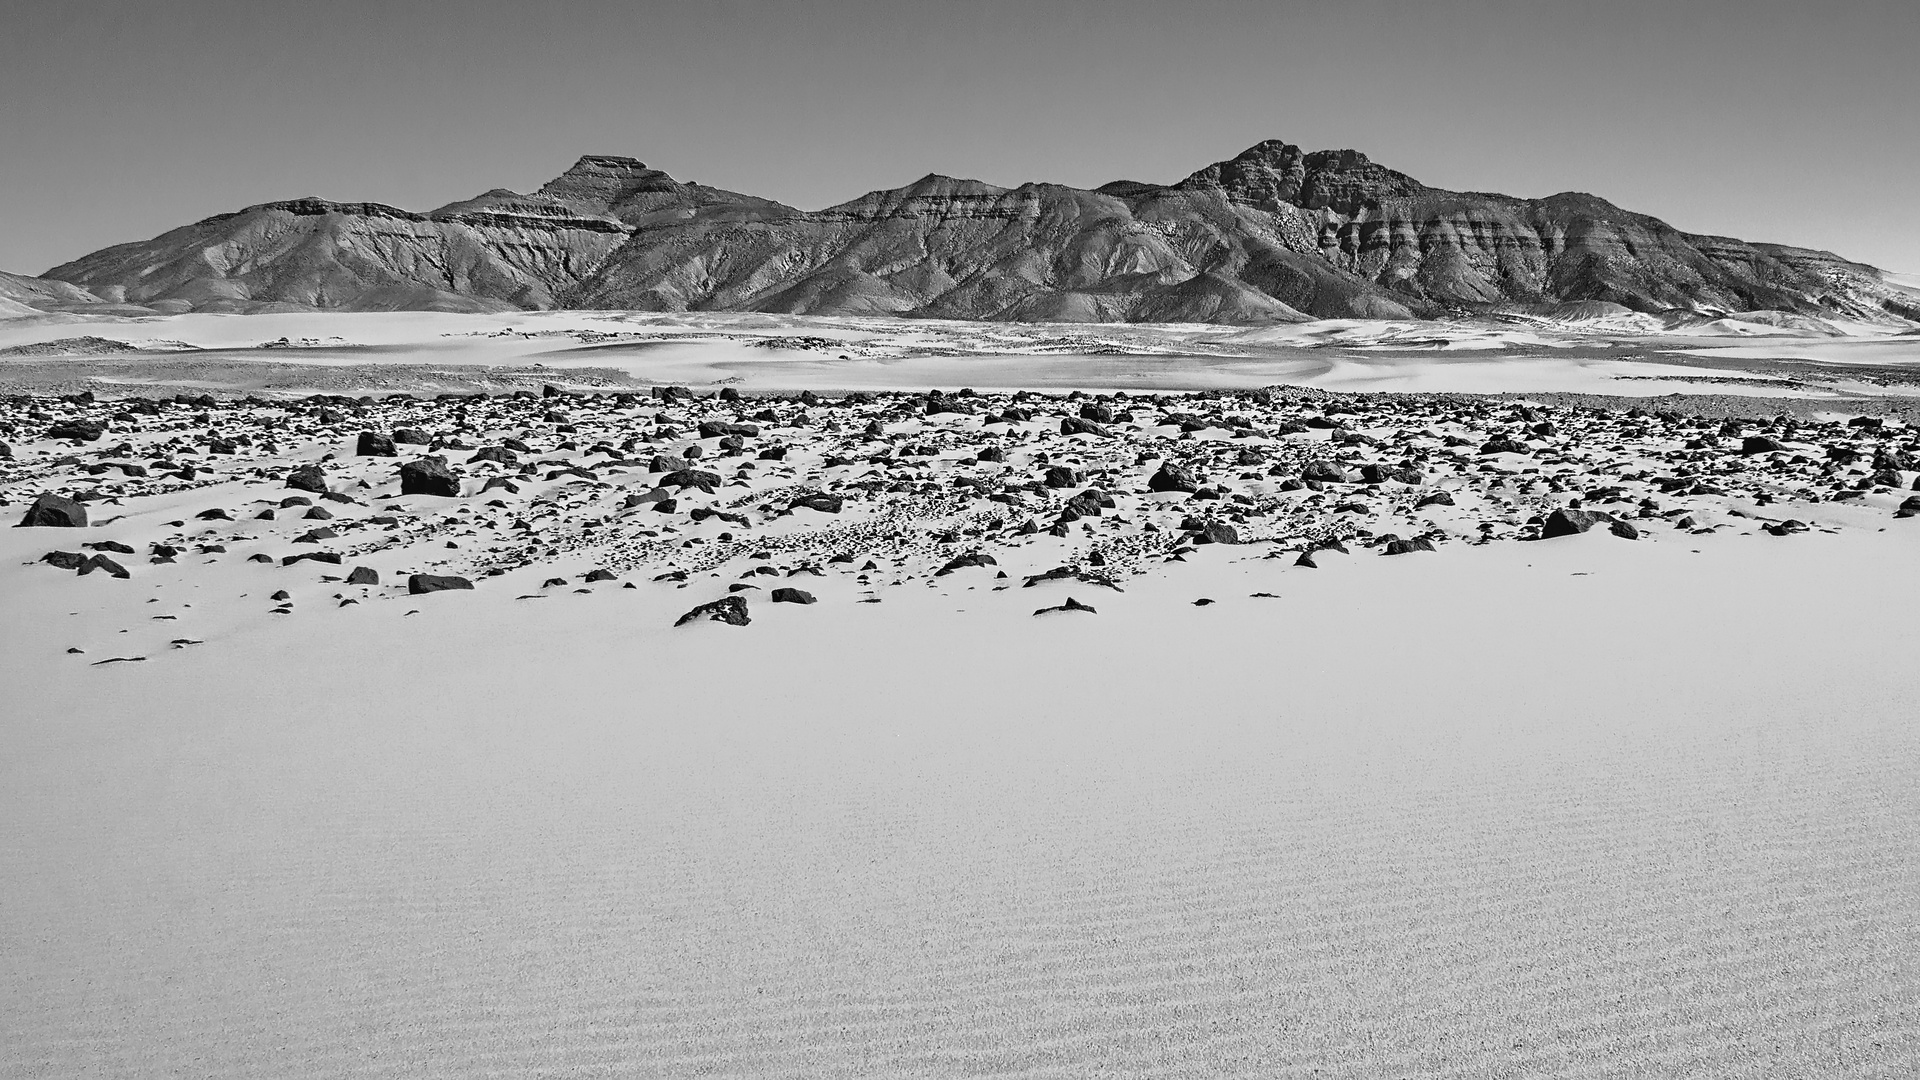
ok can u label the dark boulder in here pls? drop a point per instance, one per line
(374, 444)
(965, 561)
(64, 560)
(1407, 547)
(692, 478)
(363, 575)
(78, 430)
(307, 478)
(429, 476)
(497, 454)
(731, 610)
(792, 596)
(430, 583)
(1073, 425)
(55, 511)
(1171, 477)
(101, 562)
(1892, 459)
(1325, 472)
(1090, 502)
(1566, 521)
(412, 436)
(1504, 445)
(1760, 444)
(1060, 476)
(820, 501)
(331, 558)
(1217, 532)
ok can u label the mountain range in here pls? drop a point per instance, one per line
(1276, 234)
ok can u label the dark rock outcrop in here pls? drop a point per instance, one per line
(1171, 477)
(429, 476)
(731, 610)
(308, 478)
(1567, 521)
(55, 511)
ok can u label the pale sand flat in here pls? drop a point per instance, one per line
(1573, 808)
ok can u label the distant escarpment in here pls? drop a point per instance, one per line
(1276, 234)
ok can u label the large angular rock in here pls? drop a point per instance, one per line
(1171, 477)
(78, 430)
(101, 562)
(55, 511)
(1570, 522)
(499, 455)
(432, 583)
(1216, 532)
(1325, 472)
(374, 444)
(731, 610)
(308, 478)
(1060, 476)
(429, 476)
(694, 478)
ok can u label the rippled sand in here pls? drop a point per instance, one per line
(1574, 808)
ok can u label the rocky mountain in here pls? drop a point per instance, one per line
(1275, 234)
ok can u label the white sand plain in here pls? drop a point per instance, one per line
(353, 352)
(1574, 808)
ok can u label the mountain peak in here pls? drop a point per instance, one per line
(1267, 175)
(605, 163)
(599, 183)
(1270, 233)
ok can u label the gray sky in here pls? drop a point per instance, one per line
(1787, 122)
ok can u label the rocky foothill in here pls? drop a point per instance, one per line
(402, 496)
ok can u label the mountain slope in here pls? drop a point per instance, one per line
(1274, 234)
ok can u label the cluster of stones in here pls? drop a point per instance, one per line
(894, 487)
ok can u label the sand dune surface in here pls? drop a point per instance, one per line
(1572, 808)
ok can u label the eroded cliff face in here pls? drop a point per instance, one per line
(1273, 234)
(358, 257)
(1444, 250)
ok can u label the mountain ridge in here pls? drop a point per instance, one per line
(1274, 234)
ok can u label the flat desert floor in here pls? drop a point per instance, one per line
(1575, 807)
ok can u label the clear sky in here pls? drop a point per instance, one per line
(1791, 122)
